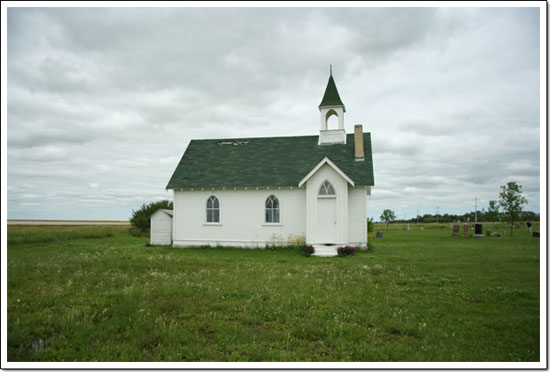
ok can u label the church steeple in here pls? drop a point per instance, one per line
(332, 104)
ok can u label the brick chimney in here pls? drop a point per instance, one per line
(358, 139)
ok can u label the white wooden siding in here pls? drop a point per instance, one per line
(242, 218)
(242, 215)
(357, 216)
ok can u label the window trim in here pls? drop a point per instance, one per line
(219, 222)
(267, 223)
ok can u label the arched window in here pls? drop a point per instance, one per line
(272, 211)
(213, 209)
(326, 189)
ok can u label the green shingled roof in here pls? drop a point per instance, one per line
(265, 162)
(331, 97)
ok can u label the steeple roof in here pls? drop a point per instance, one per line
(331, 97)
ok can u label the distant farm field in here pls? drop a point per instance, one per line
(103, 295)
(25, 234)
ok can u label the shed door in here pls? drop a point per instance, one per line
(326, 220)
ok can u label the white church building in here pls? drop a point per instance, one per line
(256, 192)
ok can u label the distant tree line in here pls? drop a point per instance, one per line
(482, 216)
(510, 199)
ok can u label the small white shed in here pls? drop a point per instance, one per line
(161, 227)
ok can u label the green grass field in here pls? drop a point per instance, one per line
(415, 296)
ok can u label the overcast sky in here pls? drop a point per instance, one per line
(102, 102)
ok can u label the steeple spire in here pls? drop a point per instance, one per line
(331, 97)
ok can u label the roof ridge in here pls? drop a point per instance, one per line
(251, 138)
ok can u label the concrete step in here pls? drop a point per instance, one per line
(325, 250)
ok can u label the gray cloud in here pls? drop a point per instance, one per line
(102, 102)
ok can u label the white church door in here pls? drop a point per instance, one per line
(326, 220)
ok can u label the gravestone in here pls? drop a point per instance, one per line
(408, 227)
(456, 231)
(536, 234)
(379, 235)
(466, 230)
(478, 230)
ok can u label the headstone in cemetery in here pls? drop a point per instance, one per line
(408, 227)
(536, 234)
(422, 228)
(456, 231)
(465, 230)
(379, 235)
(478, 230)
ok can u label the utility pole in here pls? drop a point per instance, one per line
(475, 204)
(417, 216)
